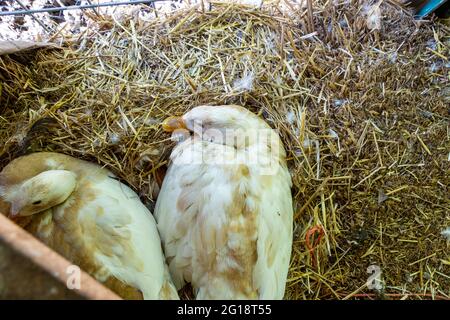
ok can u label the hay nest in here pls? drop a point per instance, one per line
(359, 94)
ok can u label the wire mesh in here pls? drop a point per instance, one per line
(90, 5)
(31, 19)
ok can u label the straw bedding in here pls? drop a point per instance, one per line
(358, 92)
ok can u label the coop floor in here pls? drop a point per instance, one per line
(358, 93)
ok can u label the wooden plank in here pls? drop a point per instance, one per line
(31, 270)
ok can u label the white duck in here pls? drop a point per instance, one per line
(224, 211)
(83, 212)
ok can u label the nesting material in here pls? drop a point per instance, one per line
(446, 233)
(361, 106)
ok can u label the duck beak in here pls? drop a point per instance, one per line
(16, 206)
(173, 123)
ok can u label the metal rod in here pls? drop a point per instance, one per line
(85, 6)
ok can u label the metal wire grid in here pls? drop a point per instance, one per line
(56, 11)
(91, 5)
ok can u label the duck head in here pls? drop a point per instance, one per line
(229, 124)
(39, 193)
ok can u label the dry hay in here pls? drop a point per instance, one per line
(363, 112)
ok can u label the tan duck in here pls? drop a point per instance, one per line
(83, 212)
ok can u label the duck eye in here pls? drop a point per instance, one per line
(37, 202)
